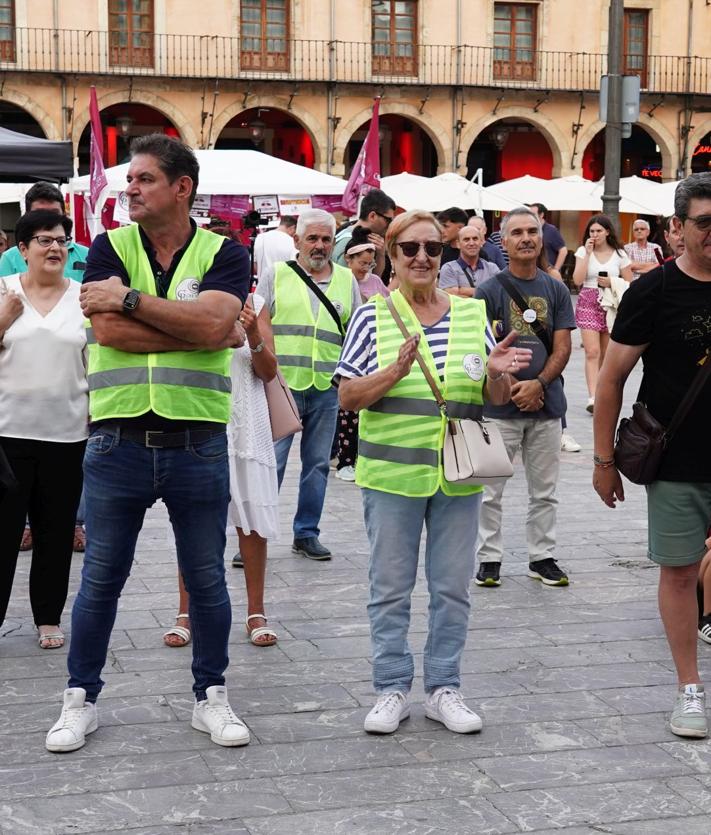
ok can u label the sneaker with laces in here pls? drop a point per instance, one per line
(548, 572)
(488, 574)
(78, 718)
(705, 628)
(568, 443)
(387, 713)
(346, 474)
(689, 715)
(214, 716)
(446, 705)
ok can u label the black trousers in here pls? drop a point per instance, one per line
(49, 481)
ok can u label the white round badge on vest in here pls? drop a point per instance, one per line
(529, 316)
(474, 367)
(338, 306)
(187, 290)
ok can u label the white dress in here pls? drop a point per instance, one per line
(254, 494)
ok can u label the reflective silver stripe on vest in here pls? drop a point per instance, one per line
(299, 362)
(425, 408)
(191, 379)
(117, 377)
(90, 338)
(325, 367)
(398, 454)
(307, 330)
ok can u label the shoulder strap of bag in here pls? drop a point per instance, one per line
(523, 304)
(466, 269)
(320, 295)
(692, 393)
(441, 402)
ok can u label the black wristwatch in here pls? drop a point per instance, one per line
(131, 300)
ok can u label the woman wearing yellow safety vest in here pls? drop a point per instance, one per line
(399, 466)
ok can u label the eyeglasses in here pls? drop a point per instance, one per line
(410, 248)
(388, 220)
(47, 240)
(701, 222)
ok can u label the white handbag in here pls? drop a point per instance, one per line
(473, 451)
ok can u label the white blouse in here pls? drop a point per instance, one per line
(612, 266)
(44, 394)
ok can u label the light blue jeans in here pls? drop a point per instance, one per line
(318, 411)
(394, 527)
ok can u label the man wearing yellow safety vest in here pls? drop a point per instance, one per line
(311, 300)
(161, 299)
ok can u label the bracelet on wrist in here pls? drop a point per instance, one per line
(258, 348)
(599, 461)
(496, 379)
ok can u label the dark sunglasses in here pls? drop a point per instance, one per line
(410, 248)
(701, 222)
(388, 220)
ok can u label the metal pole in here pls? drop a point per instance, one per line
(613, 131)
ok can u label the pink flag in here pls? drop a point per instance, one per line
(366, 171)
(97, 175)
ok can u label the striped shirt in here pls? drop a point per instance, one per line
(359, 354)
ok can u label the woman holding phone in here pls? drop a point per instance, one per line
(599, 258)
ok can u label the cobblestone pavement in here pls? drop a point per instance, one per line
(573, 684)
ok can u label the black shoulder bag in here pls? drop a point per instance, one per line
(642, 439)
(320, 295)
(523, 304)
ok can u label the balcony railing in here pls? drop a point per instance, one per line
(213, 56)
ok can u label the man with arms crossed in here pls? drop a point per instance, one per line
(666, 320)
(162, 297)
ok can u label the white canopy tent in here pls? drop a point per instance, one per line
(561, 194)
(411, 191)
(643, 197)
(13, 192)
(239, 172)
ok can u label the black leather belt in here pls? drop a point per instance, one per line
(163, 440)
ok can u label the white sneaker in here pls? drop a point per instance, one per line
(346, 473)
(214, 716)
(591, 405)
(77, 719)
(390, 709)
(568, 443)
(446, 705)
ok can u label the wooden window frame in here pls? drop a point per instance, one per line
(7, 47)
(130, 55)
(264, 59)
(514, 69)
(393, 64)
(627, 69)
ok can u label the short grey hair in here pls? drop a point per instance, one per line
(696, 185)
(521, 210)
(642, 220)
(312, 217)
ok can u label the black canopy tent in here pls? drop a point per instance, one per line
(26, 158)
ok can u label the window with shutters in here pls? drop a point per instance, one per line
(394, 37)
(515, 26)
(7, 30)
(131, 33)
(264, 34)
(635, 45)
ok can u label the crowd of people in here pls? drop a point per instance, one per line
(115, 394)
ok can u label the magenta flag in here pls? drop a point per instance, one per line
(97, 174)
(366, 171)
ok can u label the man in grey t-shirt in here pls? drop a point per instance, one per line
(531, 421)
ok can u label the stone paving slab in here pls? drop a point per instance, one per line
(574, 686)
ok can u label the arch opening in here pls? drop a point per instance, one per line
(404, 146)
(510, 148)
(270, 130)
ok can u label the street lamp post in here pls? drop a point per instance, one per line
(613, 130)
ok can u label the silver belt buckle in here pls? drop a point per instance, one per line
(148, 440)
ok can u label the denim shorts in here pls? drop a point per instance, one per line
(679, 514)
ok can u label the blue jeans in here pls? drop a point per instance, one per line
(122, 480)
(394, 527)
(318, 411)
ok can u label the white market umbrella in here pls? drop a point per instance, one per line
(13, 192)
(410, 191)
(571, 193)
(240, 172)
